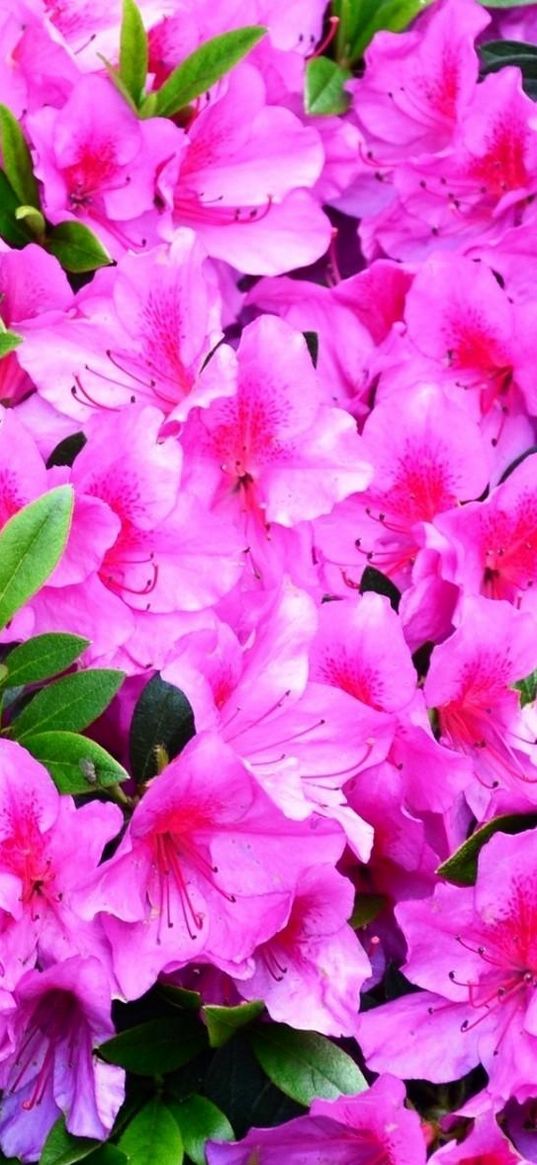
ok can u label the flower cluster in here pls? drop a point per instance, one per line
(294, 399)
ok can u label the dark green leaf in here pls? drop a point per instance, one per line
(507, 3)
(237, 1084)
(66, 451)
(75, 763)
(527, 689)
(16, 158)
(162, 718)
(324, 94)
(496, 55)
(199, 71)
(61, 1148)
(199, 1120)
(223, 1022)
(461, 867)
(305, 1065)
(312, 344)
(153, 1137)
(180, 997)
(361, 19)
(12, 231)
(70, 704)
(375, 580)
(31, 545)
(107, 1155)
(8, 341)
(42, 657)
(366, 909)
(76, 247)
(133, 51)
(157, 1047)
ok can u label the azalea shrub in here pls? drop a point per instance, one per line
(268, 582)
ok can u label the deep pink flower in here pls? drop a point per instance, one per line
(368, 1129)
(34, 296)
(474, 952)
(213, 877)
(61, 1015)
(485, 1144)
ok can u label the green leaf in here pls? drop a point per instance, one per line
(156, 1047)
(180, 997)
(10, 230)
(17, 160)
(366, 909)
(153, 1137)
(507, 3)
(223, 1022)
(361, 19)
(133, 51)
(496, 55)
(69, 704)
(33, 220)
(107, 1155)
(324, 94)
(42, 657)
(461, 867)
(77, 248)
(61, 1148)
(199, 1121)
(237, 1084)
(75, 763)
(527, 689)
(305, 1065)
(199, 71)
(8, 341)
(162, 718)
(374, 580)
(31, 545)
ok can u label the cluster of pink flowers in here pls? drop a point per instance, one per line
(236, 504)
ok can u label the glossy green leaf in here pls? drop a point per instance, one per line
(324, 93)
(204, 67)
(12, 231)
(70, 704)
(305, 1065)
(199, 1121)
(31, 545)
(366, 909)
(461, 867)
(163, 719)
(223, 1022)
(8, 341)
(76, 764)
(153, 1137)
(107, 1155)
(16, 159)
(61, 1148)
(77, 248)
(236, 1083)
(156, 1047)
(133, 51)
(42, 657)
(359, 20)
(507, 3)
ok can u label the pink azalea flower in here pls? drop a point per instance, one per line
(310, 973)
(62, 1014)
(301, 741)
(433, 458)
(470, 684)
(212, 876)
(98, 163)
(275, 452)
(142, 333)
(494, 540)
(484, 1143)
(418, 85)
(352, 1130)
(242, 181)
(473, 952)
(44, 840)
(34, 295)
